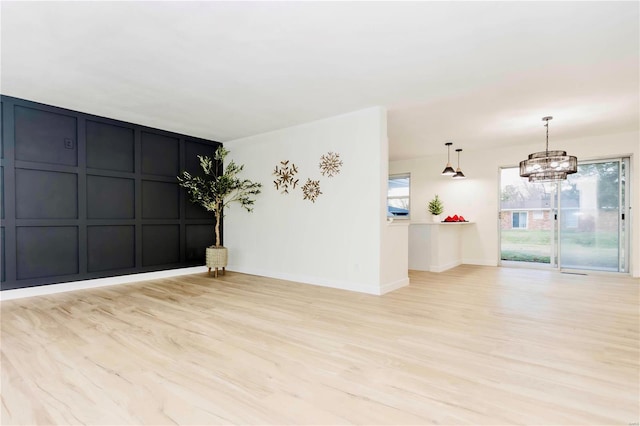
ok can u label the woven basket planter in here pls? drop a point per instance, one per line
(216, 259)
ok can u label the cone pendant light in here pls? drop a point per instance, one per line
(448, 170)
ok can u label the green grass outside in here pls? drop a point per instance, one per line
(578, 247)
(524, 245)
(523, 257)
(539, 237)
(525, 236)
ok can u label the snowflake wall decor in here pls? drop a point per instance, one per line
(330, 164)
(311, 190)
(285, 177)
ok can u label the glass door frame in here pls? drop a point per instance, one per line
(624, 222)
(553, 229)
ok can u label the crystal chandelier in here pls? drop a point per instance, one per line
(548, 166)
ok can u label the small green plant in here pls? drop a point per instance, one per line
(219, 188)
(435, 206)
(518, 256)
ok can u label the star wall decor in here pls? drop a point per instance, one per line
(285, 177)
(330, 164)
(311, 190)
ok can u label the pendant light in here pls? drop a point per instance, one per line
(448, 170)
(548, 166)
(459, 174)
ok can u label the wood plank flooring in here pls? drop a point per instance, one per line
(472, 345)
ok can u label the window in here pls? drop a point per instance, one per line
(538, 215)
(398, 196)
(519, 220)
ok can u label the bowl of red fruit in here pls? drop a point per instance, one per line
(455, 218)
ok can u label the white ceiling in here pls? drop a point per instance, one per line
(481, 74)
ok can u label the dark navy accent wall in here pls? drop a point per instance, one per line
(86, 197)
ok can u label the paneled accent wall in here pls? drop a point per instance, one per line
(88, 197)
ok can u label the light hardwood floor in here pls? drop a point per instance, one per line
(473, 345)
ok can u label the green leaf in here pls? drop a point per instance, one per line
(218, 189)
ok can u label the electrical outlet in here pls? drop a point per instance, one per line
(68, 143)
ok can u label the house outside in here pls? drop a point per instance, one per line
(535, 219)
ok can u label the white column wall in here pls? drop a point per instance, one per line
(394, 236)
(334, 242)
(476, 198)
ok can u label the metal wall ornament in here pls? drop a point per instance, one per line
(330, 164)
(285, 177)
(311, 190)
(548, 166)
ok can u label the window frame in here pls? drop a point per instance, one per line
(398, 176)
(520, 213)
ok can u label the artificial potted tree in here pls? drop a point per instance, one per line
(215, 191)
(435, 208)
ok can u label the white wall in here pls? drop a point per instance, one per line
(394, 236)
(336, 241)
(435, 247)
(476, 198)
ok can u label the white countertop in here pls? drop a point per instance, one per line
(442, 223)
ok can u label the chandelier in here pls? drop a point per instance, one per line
(548, 166)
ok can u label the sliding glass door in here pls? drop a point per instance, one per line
(575, 224)
(528, 231)
(592, 202)
(527, 226)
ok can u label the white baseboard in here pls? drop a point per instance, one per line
(446, 266)
(386, 288)
(42, 290)
(480, 262)
(442, 268)
(305, 279)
